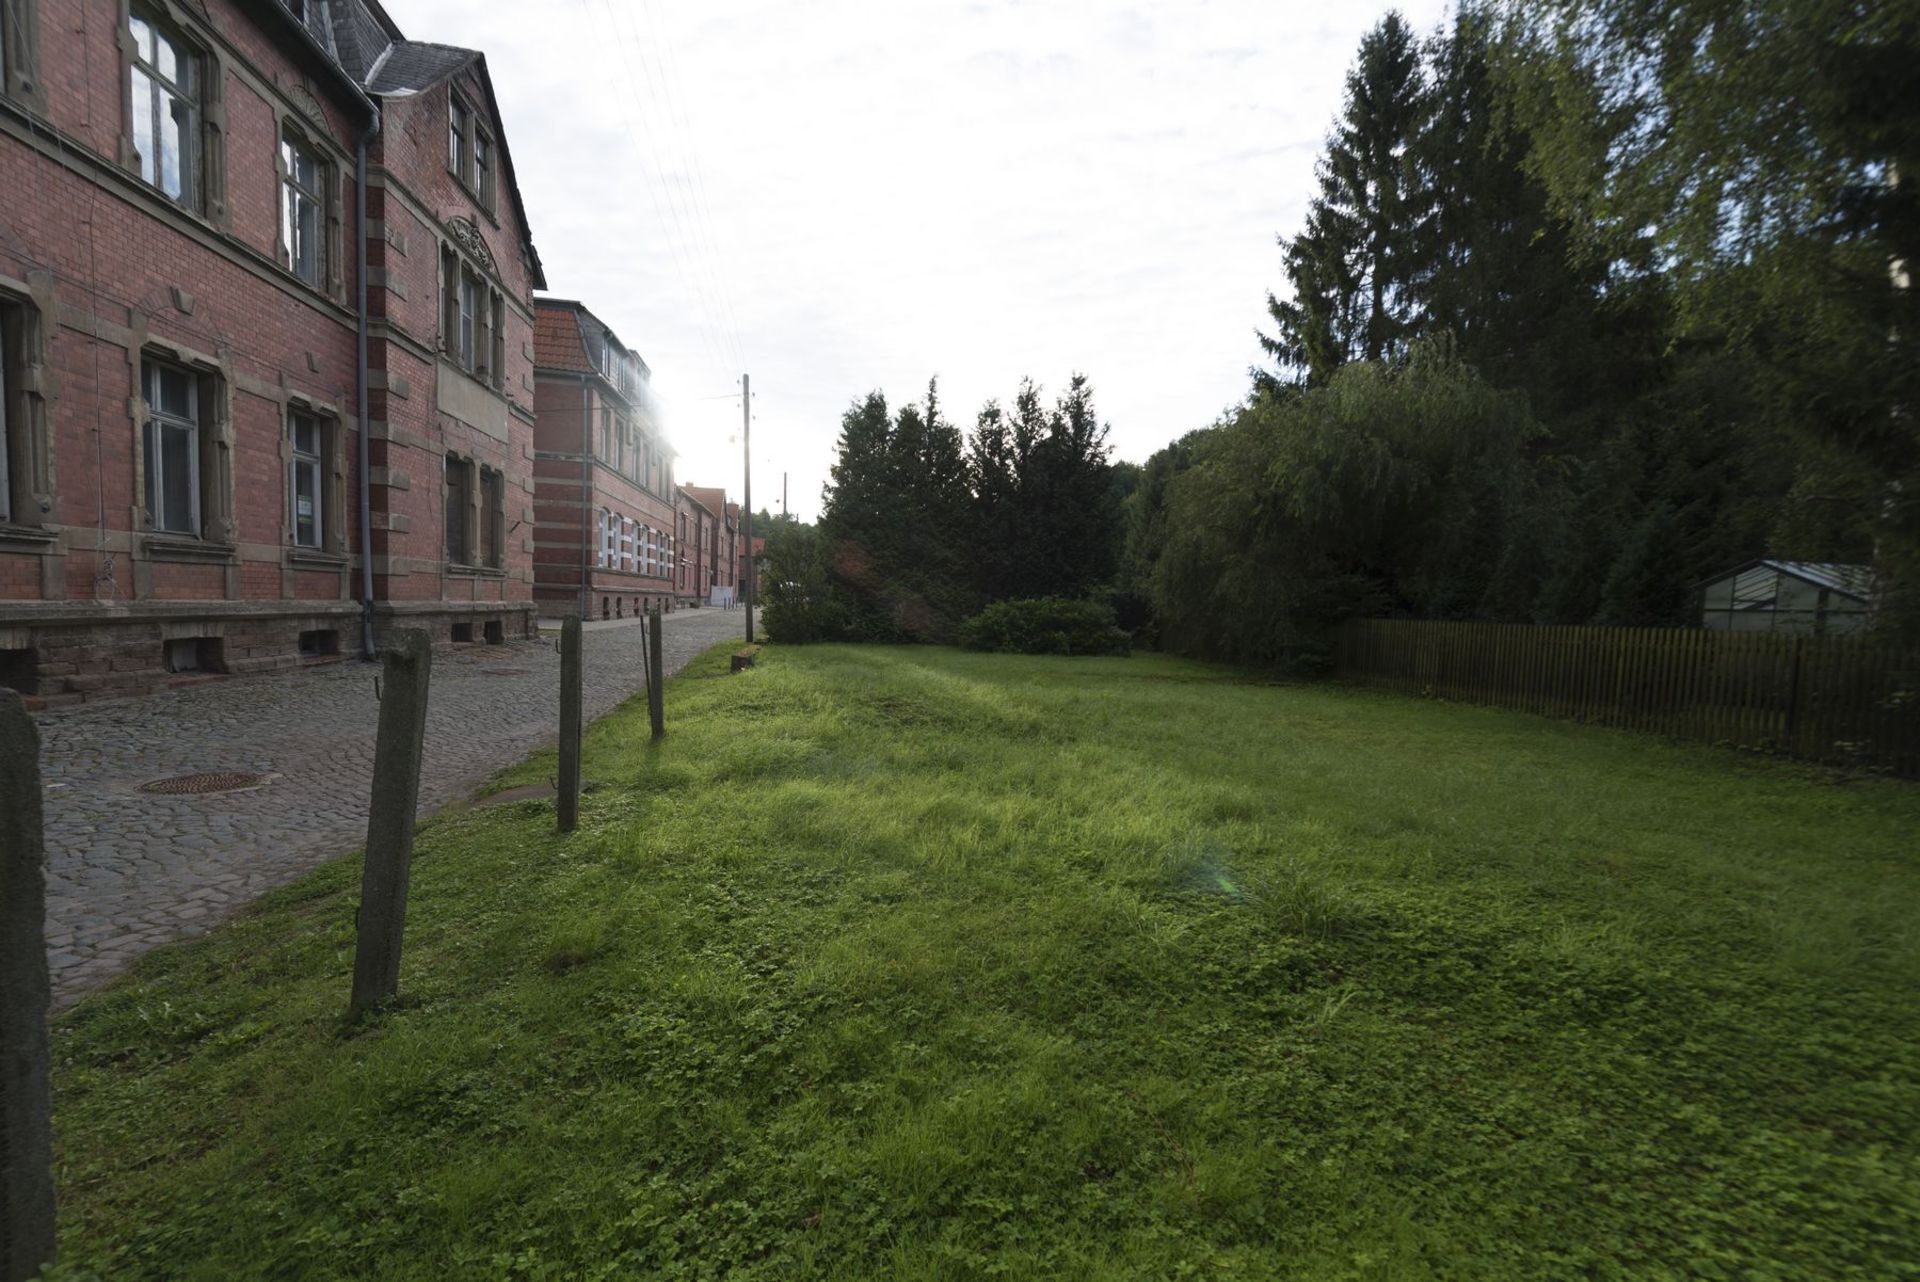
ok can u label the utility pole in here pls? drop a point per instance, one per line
(746, 501)
(783, 496)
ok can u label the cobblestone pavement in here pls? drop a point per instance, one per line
(127, 870)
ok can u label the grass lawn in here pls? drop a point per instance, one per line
(920, 964)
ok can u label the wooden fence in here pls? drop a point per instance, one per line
(1839, 700)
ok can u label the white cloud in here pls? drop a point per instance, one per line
(847, 195)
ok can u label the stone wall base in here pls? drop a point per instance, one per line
(68, 661)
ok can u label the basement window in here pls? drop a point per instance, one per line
(195, 654)
(463, 634)
(319, 641)
(20, 670)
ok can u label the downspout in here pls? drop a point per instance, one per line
(361, 380)
(586, 500)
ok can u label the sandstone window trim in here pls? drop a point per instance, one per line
(26, 454)
(20, 53)
(195, 86)
(184, 489)
(472, 320)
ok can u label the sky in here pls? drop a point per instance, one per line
(846, 195)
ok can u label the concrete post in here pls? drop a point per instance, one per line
(396, 798)
(567, 804)
(26, 1101)
(656, 677)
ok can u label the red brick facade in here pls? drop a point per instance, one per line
(217, 527)
(604, 514)
(718, 525)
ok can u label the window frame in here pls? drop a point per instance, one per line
(457, 494)
(189, 90)
(316, 461)
(294, 145)
(473, 153)
(492, 494)
(153, 446)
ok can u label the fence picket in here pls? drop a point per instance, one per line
(1829, 699)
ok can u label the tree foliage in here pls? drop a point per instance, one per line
(921, 527)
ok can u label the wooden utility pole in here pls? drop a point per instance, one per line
(567, 804)
(746, 502)
(656, 677)
(407, 666)
(26, 1102)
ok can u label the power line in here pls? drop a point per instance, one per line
(674, 234)
(706, 254)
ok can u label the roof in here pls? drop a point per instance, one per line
(557, 343)
(712, 498)
(410, 66)
(1855, 581)
(365, 44)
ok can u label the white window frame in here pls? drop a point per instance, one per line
(600, 538)
(302, 460)
(158, 423)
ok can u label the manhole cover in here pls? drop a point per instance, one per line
(506, 672)
(206, 781)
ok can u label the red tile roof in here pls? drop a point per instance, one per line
(556, 338)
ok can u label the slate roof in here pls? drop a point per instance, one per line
(365, 45)
(410, 66)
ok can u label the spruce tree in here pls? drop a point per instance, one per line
(1356, 265)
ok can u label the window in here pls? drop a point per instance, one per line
(497, 350)
(606, 435)
(470, 155)
(165, 109)
(483, 167)
(493, 517)
(459, 502)
(463, 339)
(304, 484)
(19, 43)
(302, 205)
(172, 448)
(457, 125)
(600, 519)
(609, 534)
(472, 320)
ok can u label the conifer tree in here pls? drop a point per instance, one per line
(1356, 265)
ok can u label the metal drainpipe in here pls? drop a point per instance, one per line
(361, 377)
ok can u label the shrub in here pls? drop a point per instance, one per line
(1049, 625)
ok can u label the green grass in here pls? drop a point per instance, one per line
(920, 964)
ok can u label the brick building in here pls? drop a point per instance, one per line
(716, 524)
(181, 327)
(604, 507)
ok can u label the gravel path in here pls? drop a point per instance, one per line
(127, 870)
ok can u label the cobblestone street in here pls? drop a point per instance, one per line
(128, 870)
